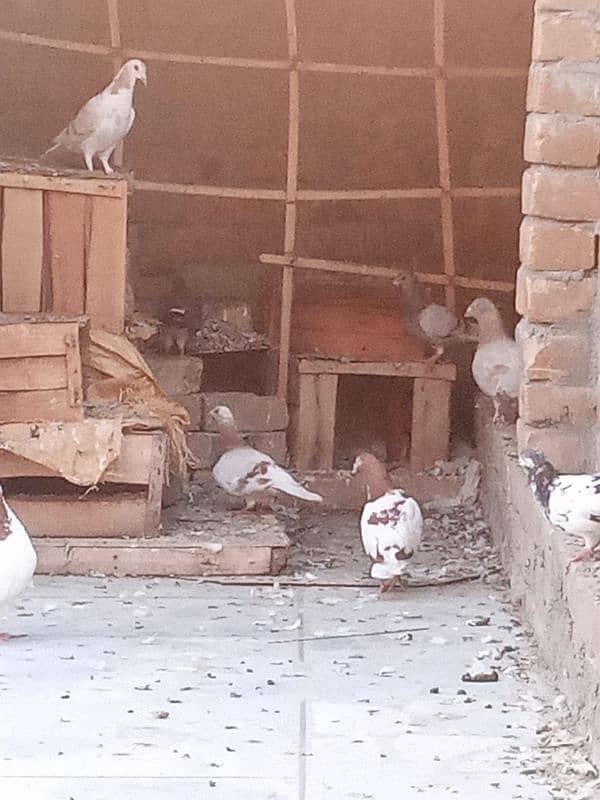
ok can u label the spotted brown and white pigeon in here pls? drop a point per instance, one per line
(245, 472)
(105, 119)
(495, 365)
(18, 559)
(391, 522)
(570, 502)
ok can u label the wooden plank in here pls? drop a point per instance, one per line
(326, 402)
(106, 264)
(285, 328)
(115, 515)
(103, 187)
(42, 406)
(27, 374)
(409, 369)
(25, 340)
(304, 446)
(430, 427)
(73, 369)
(156, 481)
(22, 250)
(233, 192)
(66, 241)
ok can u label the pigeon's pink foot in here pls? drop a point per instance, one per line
(387, 586)
(584, 555)
(6, 637)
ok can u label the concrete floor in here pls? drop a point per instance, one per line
(162, 689)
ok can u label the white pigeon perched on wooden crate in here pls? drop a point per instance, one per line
(570, 502)
(245, 472)
(18, 559)
(104, 120)
(495, 365)
(391, 522)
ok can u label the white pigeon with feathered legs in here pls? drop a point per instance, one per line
(104, 120)
(245, 472)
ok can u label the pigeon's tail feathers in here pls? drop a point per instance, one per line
(283, 481)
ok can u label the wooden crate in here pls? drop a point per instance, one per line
(134, 512)
(63, 244)
(40, 371)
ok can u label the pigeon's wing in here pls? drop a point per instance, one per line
(391, 527)
(245, 471)
(496, 368)
(88, 119)
(574, 504)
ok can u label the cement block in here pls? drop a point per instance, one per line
(177, 375)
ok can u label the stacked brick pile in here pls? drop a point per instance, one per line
(557, 282)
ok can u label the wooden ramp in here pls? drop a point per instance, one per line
(232, 545)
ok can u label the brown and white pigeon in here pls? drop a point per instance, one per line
(570, 502)
(495, 365)
(245, 472)
(430, 322)
(18, 559)
(105, 119)
(391, 523)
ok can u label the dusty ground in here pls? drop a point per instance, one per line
(179, 689)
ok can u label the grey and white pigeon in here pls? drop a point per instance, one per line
(570, 502)
(391, 522)
(430, 322)
(495, 365)
(18, 559)
(245, 472)
(104, 120)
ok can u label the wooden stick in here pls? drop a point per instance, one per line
(487, 72)
(216, 61)
(480, 283)
(444, 152)
(115, 43)
(56, 44)
(367, 194)
(486, 191)
(210, 191)
(365, 69)
(348, 267)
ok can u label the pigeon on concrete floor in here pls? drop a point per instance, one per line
(391, 523)
(17, 559)
(570, 502)
(245, 472)
(495, 365)
(105, 119)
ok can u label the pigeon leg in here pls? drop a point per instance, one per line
(583, 555)
(433, 359)
(89, 160)
(387, 586)
(104, 156)
(6, 637)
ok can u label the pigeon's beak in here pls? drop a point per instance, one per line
(355, 467)
(469, 312)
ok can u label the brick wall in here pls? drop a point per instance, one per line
(557, 280)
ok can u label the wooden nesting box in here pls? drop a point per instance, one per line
(63, 246)
(40, 371)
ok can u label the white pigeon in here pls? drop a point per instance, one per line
(17, 559)
(391, 523)
(245, 472)
(495, 365)
(104, 120)
(570, 502)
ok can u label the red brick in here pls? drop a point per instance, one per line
(251, 411)
(542, 299)
(567, 5)
(564, 141)
(176, 375)
(547, 403)
(207, 447)
(548, 355)
(564, 88)
(565, 34)
(561, 194)
(565, 447)
(545, 244)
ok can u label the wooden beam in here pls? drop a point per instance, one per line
(480, 283)
(22, 250)
(406, 369)
(104, 187)
(365, 69)
(232, 192)
(56, 44)
(215, 61)
(368, 194)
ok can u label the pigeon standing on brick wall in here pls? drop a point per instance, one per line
(391, 523)
(495, 365)
(429, 322)
(571, 502)
(105, 119)
(17, 559)
(245, 472)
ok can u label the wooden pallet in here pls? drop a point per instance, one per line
(63, 246)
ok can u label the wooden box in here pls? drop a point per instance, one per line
(40, 371)
(63, 246)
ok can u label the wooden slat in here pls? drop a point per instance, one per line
(430, 428)
(305, 423)
(22, 250)
(326, 401)
(65, 215)
(73, 370)
(285, 327)
(25, 340)
(42, 406)
(234, 192)
(104, 187)
(28, 374)
(156, 482)
(106, 264)
(409, 369)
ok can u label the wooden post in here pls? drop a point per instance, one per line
(115, 43)
(315, 421)
(430, 428)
